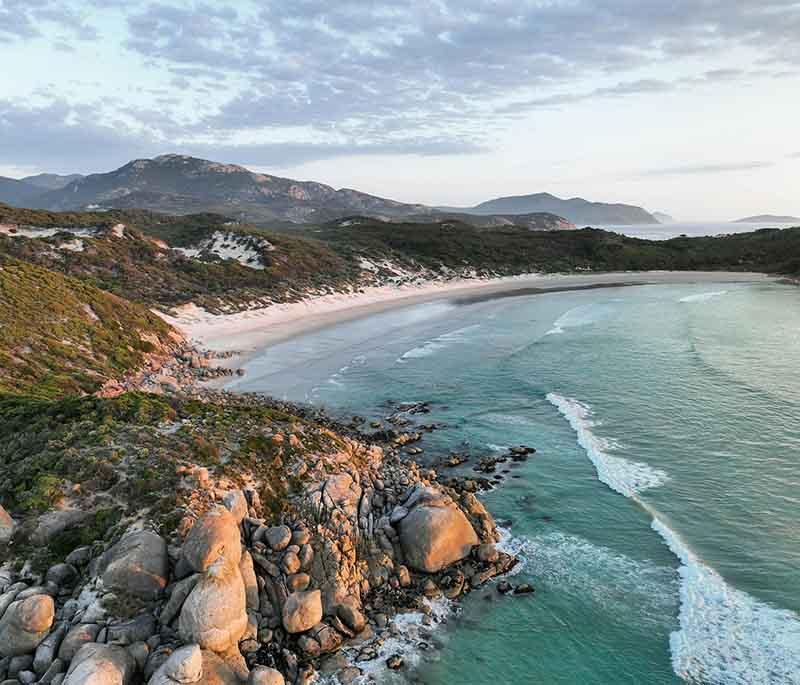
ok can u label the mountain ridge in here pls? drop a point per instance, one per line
(185, 184)
(50, 181)
(576, 209)
(180, 184)
(17, 192)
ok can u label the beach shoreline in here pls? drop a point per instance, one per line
(247, 332)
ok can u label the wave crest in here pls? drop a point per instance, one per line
(726, 636)
(623, 476)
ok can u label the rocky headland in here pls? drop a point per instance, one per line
(223, 539)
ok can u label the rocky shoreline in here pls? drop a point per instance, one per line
(245, 587)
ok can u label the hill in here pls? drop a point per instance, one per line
(50, 181)
(63, 335)
(165, 261)
(577, 210)
(180, 184)
(224, 266)
(535, 221)
(663, 218)
(18, 193)
(768, 218)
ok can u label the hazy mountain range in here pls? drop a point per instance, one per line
(576, 209)
(769, 218)
(178, 184)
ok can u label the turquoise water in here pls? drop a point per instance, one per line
(659, 520)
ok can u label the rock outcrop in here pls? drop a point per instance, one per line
(97, 664)
(302, 611)
(184, 666)
(214, 535)
(215, 612)
(262, 576)
(137, 565)
(434, 532)
(25, 624)
(7, 527)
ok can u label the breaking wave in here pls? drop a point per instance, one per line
(441, 342)
(623, 476)
(703, 297)
(580, 316)
(726, 636)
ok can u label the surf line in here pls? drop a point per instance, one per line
(726, 637)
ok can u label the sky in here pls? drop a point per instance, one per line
(690, 107)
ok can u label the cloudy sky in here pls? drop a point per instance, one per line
(687, 106)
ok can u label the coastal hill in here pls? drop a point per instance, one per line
(51, 181)
(180, 184)
(155, 530)
(18, 193)
(768, 218)
(576, 209)
(222, 265)
(664, 218)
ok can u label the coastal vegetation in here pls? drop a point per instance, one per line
(236, 534)
(61, 335)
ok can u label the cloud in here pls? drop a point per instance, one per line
(26, 19)
(642, 86)
(384, 66)
(74, 134)
(384, 75)
(706, 168)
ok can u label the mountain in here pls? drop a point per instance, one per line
(768, 218)
(180, 184)
(663, 218)
(18, 193)
(50, 181)
(576, 209)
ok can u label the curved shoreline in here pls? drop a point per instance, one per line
(247, 332)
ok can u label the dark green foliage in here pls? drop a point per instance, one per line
(512, 250)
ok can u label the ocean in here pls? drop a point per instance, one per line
(659, 520)
(692, 230)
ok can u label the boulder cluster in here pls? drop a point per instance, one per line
(239, 593)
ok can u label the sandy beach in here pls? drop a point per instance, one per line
(248, 331)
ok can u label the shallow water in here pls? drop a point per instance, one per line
(659, 520)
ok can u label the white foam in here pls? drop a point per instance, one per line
(582, 315)
(405, 636)
(623, 476)
(441, 342)
(613, 582)
(498, 448)
(703, 297)
(726, 636)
